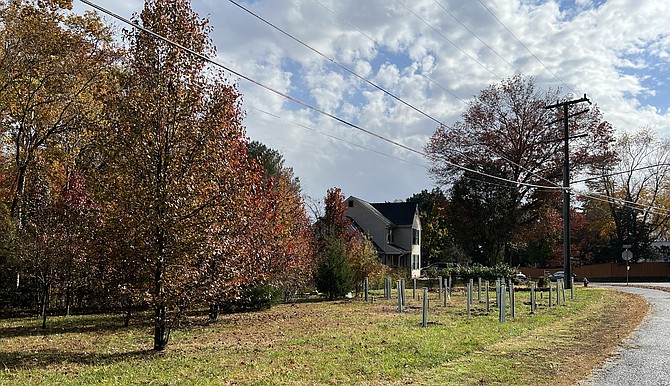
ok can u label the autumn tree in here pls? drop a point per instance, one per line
(292, 242)
(54, 68)
(436, 243)
(364, 260)
(177, 175)
(630, 194)
(506, 132)
(334, 276)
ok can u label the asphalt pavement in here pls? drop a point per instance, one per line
(644, 357)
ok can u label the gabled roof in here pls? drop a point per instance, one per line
(399, 213)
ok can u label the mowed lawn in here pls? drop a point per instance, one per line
(342, 342)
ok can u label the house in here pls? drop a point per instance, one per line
(395, 230)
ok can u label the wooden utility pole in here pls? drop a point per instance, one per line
(566, 183)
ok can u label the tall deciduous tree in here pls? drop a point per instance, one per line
(290, 239)
(178, 175)
(54, 70)
(633, 189)
(334, 275)
(436, 243)
(507, 132)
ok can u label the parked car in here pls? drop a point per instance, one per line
(560, 275)
(520, 277)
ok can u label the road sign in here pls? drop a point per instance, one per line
(627, 255)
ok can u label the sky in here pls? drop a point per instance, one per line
(399, 68)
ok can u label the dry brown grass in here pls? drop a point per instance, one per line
(331, 343)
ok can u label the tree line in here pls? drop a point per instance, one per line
(127, 181)
(507, 205)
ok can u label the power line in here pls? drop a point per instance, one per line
(354, 73)
(621, 172)
(336, 138)
(342, 121)
(625, 203)
(523, 45)
(381, 47)
(338, 64)
(375, 85)
(541, 62)
(382, 89)
(414, 108)
(457, 46)
(449, 40)
(476, 36)
(296, 100)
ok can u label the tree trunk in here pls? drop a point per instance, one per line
(45, 305)
(160, 330)
(16, 211)
(126, 321)
(213, 312)
(68, 300)
(160, 308)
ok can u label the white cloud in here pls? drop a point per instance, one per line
(617, 53)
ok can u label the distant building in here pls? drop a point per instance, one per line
(395, 230)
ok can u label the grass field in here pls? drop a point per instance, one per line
(343, 342)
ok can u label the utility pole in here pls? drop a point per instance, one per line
(566, 184)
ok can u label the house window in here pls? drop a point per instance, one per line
(389, 236)
(416, 237)
(351, 203)
(415, 262)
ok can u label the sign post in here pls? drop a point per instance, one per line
(627, 255)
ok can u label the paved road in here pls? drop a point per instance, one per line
(644, 357)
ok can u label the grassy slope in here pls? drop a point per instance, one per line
(330, 343)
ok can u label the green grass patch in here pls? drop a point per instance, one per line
(348, 342)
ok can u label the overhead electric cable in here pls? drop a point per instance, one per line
(476, 36)
(629, 204)
(381, 47)
(359, 76)
(338, 64)
(437, 31)
(336, 138)
(409, 105)
(523, 45)
(621, 172)
(542, 63)
(298, 101)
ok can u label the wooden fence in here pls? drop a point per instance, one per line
(610, 271)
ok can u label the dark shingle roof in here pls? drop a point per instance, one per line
(399, 213)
